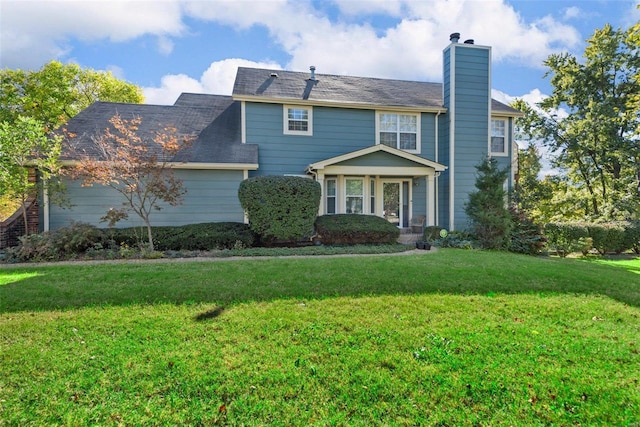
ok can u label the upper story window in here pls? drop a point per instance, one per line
(401, 131)
(298, 120)
(499, 137)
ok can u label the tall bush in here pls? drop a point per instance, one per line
(491, 220)
(280, 207)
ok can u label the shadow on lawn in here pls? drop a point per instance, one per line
(229, 283)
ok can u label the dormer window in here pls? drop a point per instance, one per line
(298, 120)
(401, 131)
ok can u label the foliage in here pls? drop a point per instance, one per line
(448, 338)
(192, 237)
(431, 233)
(526, 236)
(567, 238)
(62, 243)
(458, 240)
(632, 236)
(135, 165)
(57, 92)
(596, 144)
(490, 219)
(354, 229)
(536, 196)
(24, 144)
(280, 207)
(607, 237)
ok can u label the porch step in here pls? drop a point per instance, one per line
(409, 238)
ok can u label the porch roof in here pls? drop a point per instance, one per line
(411, 165)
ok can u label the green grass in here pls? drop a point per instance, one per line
(451, 338)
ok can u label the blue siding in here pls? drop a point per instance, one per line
(335, 131)
(471, 94)
(212, 196)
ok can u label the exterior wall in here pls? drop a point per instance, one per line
(212, 196)
(468, 97)
(336, 131)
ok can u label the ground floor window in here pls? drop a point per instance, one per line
(354, 195)
(330, 191)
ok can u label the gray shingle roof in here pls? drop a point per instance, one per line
(339, 89)
(213, 120)
(328, 88)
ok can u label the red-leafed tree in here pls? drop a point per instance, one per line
(138, 167)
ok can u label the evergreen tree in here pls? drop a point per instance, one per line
(487, 209)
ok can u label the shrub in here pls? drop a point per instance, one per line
(567, 238)
(526, 236)
(192, 237)
(607, 237)
(280, 207)
(62, 243)
(431, 233)
(459, 240)
(632, 236)
(352, 229)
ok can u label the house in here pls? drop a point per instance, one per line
(392, 148)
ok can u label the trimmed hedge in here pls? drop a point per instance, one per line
(280, 208)
(607, 237)
(192, 237)
(352, 229)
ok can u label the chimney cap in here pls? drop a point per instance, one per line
(454, 37)
(469, 41)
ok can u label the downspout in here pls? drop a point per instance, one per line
(437, 218)
(45, 207)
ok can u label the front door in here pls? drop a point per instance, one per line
(395, 199)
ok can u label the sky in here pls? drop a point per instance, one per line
(172, 46)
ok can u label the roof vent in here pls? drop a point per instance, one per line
(469, 41)
(313, 72)
(454, 37)
(274, 75)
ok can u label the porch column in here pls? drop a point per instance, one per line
(431, 200)
(320, 180)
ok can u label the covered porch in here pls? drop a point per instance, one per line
(379, 180)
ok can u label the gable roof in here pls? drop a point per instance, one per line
(213, 120)
(323, 164)
(258, 84)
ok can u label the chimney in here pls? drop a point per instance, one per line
(313, 72)
(469, 41)
(454, 37)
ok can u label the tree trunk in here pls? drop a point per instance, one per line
(149, 235)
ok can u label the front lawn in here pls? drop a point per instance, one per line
(451, 338)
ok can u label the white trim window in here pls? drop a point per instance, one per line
(297, 120)
(354, 195)
(499, 137)
(401, 131)
(331, 195)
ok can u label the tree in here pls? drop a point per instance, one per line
(24, 144)
(57, 92)
(598, 142)
(490, 218)
(136, 166)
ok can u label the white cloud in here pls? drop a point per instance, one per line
(43, 28)
(572, 13)
(217, 79)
